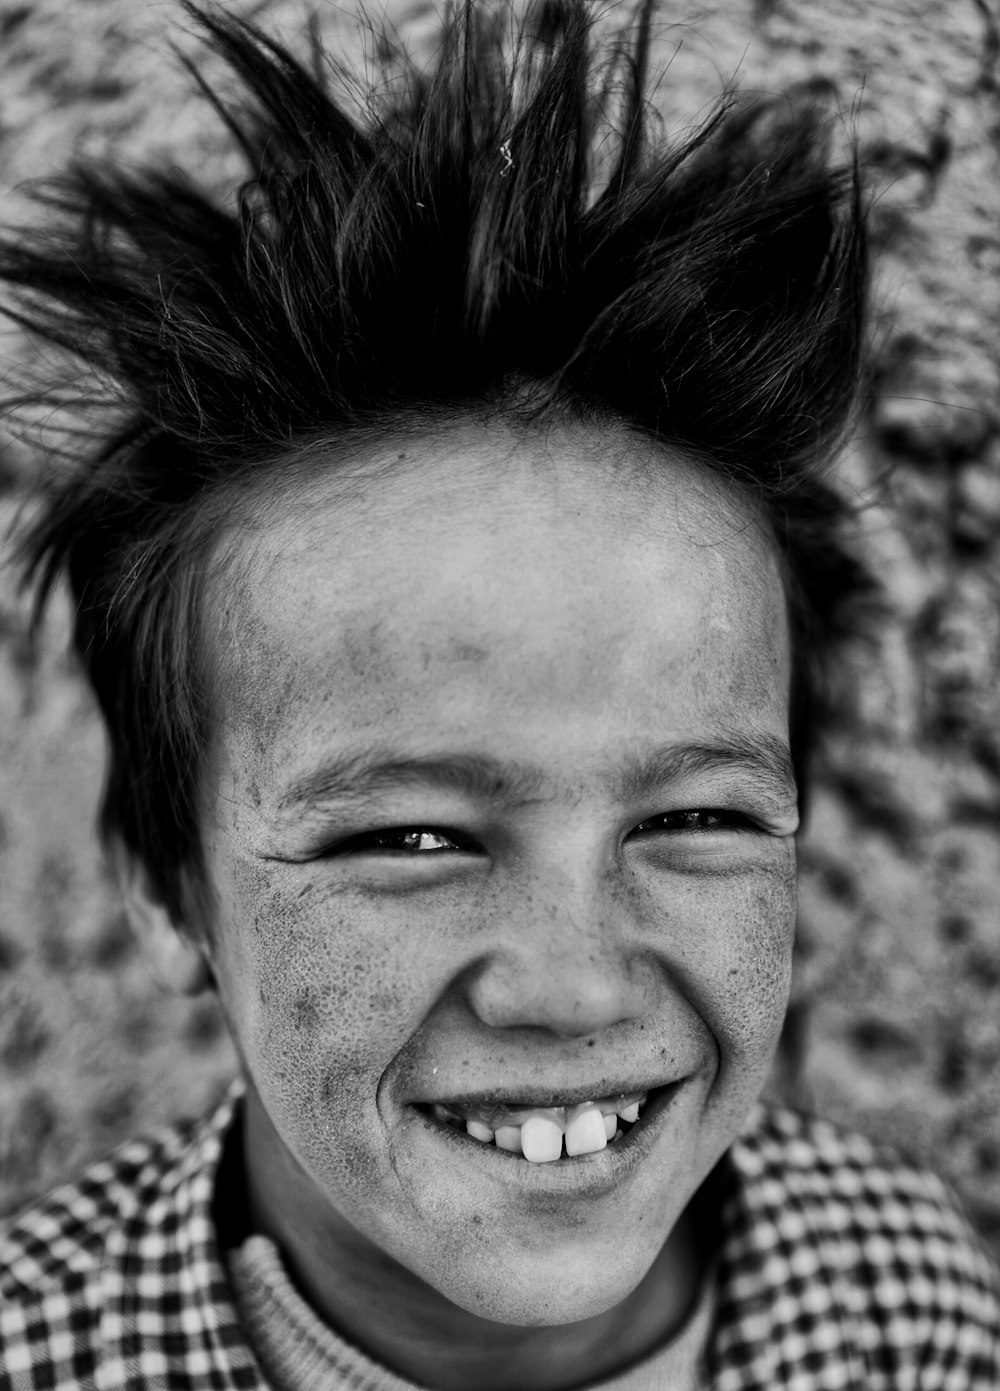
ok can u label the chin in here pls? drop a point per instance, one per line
(532, 1291)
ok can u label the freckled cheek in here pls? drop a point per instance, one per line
(761, 969)
(323, 990)
(730, 942)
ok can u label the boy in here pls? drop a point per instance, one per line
(454, 574)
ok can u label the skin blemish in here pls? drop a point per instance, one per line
(467, 652)
(304, 1012)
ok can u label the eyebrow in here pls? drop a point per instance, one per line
(358, 776)
(765, 756)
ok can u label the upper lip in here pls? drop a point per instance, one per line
(523, 1098)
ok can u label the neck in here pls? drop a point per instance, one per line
(408, 1326)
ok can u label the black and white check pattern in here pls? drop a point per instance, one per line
(840, 1268)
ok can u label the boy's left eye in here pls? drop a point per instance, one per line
(694, 819)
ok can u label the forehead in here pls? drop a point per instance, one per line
(556, 562)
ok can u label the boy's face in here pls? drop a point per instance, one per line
(500, 818)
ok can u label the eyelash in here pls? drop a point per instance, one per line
(378, 841)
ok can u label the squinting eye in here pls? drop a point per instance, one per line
(696, 819)
(404, 840)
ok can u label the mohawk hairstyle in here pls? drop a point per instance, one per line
(471, 247)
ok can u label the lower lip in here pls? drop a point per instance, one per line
(584, 1174)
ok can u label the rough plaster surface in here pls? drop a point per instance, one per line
(896, 1021)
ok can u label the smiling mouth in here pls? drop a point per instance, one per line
(544, 1134)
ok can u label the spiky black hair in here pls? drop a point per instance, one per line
(469, 245)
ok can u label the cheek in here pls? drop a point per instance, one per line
(320, 994)
(760, 973)
(732, 947)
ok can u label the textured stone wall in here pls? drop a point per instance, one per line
(896, 1020)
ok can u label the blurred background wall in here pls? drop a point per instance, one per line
(895, 1024)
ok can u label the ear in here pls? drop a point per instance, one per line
(176, 959)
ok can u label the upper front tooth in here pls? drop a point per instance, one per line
(630, 1113)
(541, 1139)
(585, 1133)
(478, 1131)
(610, 1125)
(508, 1137)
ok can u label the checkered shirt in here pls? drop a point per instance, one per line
(840, 1268)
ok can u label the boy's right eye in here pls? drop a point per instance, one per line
(405, 840)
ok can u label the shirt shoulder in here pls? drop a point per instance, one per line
(52, 1256)
(91, 1275)
(834, 1242)
(62, 1236)
(878, 1207)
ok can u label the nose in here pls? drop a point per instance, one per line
(567, 962)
